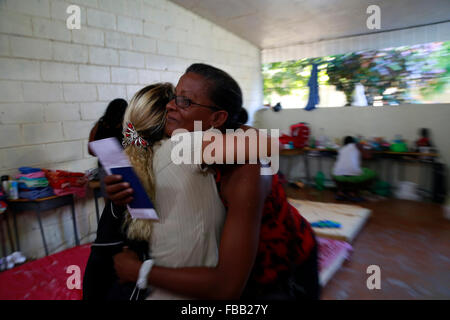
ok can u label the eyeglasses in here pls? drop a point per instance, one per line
(184, 102)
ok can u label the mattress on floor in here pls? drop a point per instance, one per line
(352, 218)
(45, 278)
(332, 254)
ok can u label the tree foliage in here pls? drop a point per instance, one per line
(377, 70)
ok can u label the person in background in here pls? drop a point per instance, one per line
(108, 126)
(424, 140)
(350, 178)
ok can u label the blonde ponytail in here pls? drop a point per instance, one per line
(147, 114)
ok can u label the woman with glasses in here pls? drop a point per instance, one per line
(267, 250)
(190, 210)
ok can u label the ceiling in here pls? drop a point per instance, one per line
(278, 23)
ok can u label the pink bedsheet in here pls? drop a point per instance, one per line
(329, 250)
(45, 278)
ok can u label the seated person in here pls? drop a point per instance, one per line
(348, 174)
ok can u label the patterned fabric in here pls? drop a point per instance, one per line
(66, 182)
(286, 239)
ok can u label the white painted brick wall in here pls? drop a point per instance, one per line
(70, 52)
(30, 48)
(129, 25)
(61, 111)
(143, 44)
(123, 75)
(50, 29)
(131, 59)
(11, 91)
(118, 40)
(19, 69)
(55, 83)
(53, 71)
(104, 56)
(97, 18)
(4, 45)
(12, 23)
(77, 130)
(20, 113)
(30, 7)
(42, 133)
(110, 92)
(14, 138)
(42, 92)
(88, 36)
(80, 92)
(94, 74)
(92, 110)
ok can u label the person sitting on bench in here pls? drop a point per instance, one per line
(350, 178)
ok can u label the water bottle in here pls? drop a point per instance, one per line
(14, 190)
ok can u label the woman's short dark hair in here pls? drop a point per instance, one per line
(348, 139)
(114, 113)
(224, 91)
(243, 116)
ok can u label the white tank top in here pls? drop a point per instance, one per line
(191, 214)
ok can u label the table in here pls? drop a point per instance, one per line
(95, 186)
(398, 156)
(4, 217)
(295, 152)
(38, 206)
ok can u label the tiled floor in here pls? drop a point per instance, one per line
(409, 241)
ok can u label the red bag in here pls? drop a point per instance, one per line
(299, 135)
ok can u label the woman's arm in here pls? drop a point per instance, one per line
(238, 245)
(247, 146)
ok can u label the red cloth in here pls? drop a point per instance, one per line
(66, 182)
(285, 237)
(45, 278)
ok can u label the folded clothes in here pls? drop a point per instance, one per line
(78, 191)
(25, 183)
(24, 187)
(36, 194)
(33, 175)
(65, 182)
(27, 170)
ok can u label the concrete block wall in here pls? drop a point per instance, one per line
(55, 83)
